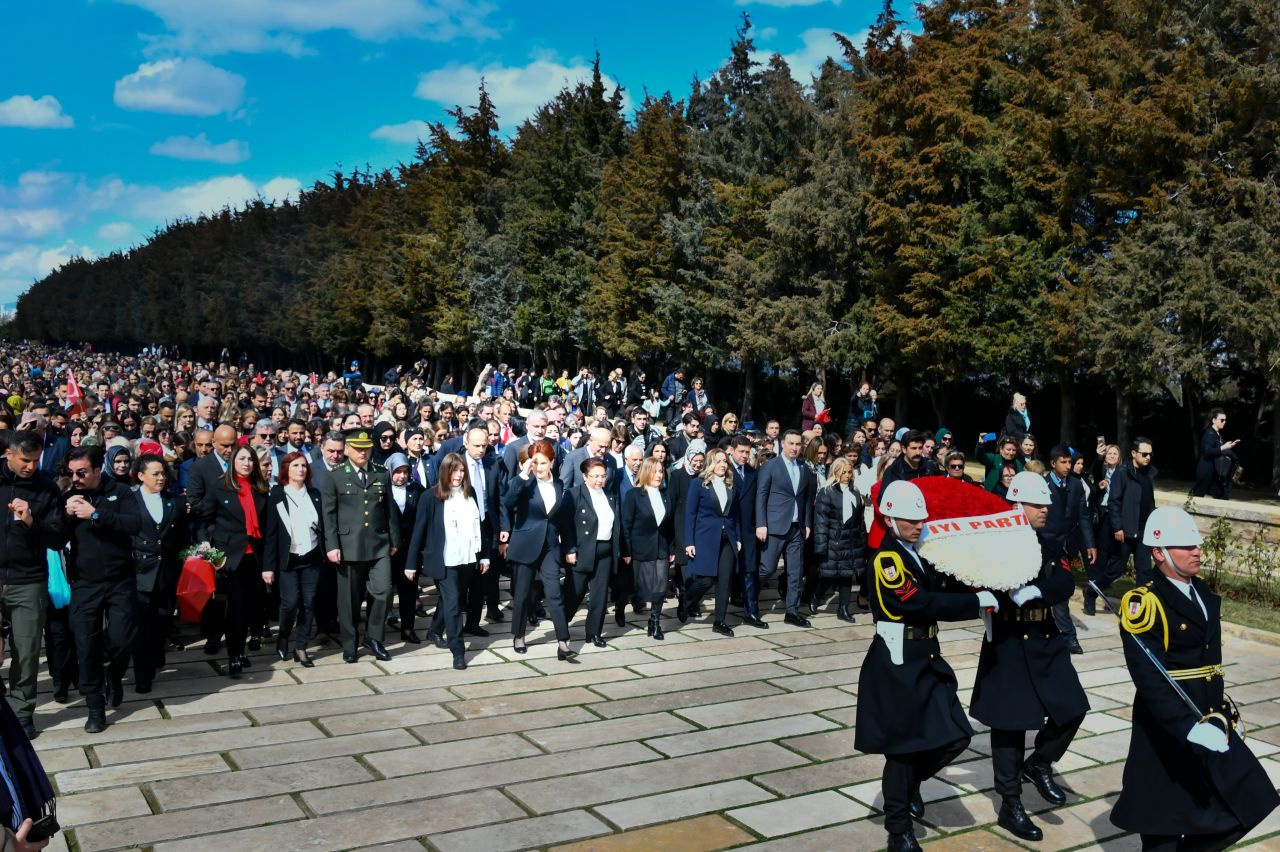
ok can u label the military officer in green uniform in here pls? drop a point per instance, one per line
(360, 518)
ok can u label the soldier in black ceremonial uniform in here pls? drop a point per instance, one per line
(907, 705)
(1025, 679)
(362, 526)
(1190, 782)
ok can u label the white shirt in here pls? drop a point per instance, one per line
(1186, 589)
(154, 504)
(399, 493)
(461, 529)
(300, 519)
(604, 513)
(722, 493)
(547, 490)
(475, 470)
(655, 500)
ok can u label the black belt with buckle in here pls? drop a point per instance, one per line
(1021, 614)
(920, 632)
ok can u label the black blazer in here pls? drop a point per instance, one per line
(225, 523)
(426, 545)
(586, 524)
(533, 529)
(643, 538)
(275, 546)
(156, 545)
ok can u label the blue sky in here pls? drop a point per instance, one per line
(117, 116)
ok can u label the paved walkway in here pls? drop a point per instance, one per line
(696, 743)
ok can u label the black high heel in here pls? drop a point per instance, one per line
(305, 660)
(519, 649)
(563, 654)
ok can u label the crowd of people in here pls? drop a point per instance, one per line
(330, 506)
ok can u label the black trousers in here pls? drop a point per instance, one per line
(696, 587)
(327, 603)
(904, 773)
(1109, 565)
(546, 569)
(1008, 754)
(240, 587)
(1121, 551)
(298, 583)
(843, 587)
(406, 595)
(448, 620)
(104, 619)
(60, 648)
(1191, 842)
(153, 632)
(591, 585)
(472, 592)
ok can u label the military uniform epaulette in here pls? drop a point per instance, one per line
(1140, 607)
(892, 574)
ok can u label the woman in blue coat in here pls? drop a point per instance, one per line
(714, 531)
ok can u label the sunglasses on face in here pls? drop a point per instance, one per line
(955, 467)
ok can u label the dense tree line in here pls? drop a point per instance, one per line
(1029, 192)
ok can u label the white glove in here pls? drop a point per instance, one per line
(1209, 736)
(1021, 596)
(986, 600)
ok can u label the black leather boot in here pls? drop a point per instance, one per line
(904, 842)
(1013, 817)
(655, 625)
(1041, 776)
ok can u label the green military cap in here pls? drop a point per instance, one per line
(359, 438)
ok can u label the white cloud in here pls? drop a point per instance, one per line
(816, 46)
(29, 224)
(24, 265)
(26, 111)
(182, 86)
(516, 90)
(407, 132)
(256, 26)
(200, 148)
(117, 232)
(207, 196)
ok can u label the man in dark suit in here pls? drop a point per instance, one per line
(744, 493)
(784, 519)
(331, 454)
(204, 472)
(1068, 520)
(597, 447)
(535, 430)
(361, 528)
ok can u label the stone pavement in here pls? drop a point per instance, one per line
(696, 743)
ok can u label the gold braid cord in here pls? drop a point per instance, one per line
(891, 574)
(1139, 610)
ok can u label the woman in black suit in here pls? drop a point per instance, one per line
(648, 529)
(155, 549)
(293, 554)
(232, 511)
(540, 518)
(405, 494)
(714, 531)
(598, 525)
(447, 546)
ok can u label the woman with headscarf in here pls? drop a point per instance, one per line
(688, 469)
(384, 442)
(119, 464)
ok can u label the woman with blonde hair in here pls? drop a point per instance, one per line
(714, 532)
(839, 537)
(812, 407)
(648, 530)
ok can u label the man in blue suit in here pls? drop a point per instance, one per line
(784, 519)
(744, 492)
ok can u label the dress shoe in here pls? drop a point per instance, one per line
(755, 621)
(267, 632)
(29, 728)
(916, 806)
(97, 722)
(1073, 645)
(495, 615)
(393, 622)
(813, 606)
(60, 695)
(797, 619)
(721, 628)
(475, 631)
(655, 626)
(411, 637)
(1090, 606)
(282, 653)
(843, 614)
(234, 669)
(255, 643)
(1013, 818)
(303, 659)
(532, 619)
(620, 616)
(563, 654)
(245, 662)
(440, 642)
(142, 688)
(115, 692)
(640, 608)
(904, 842)
(459, 662)
(598, 641)
(212, 646)
(377, 649)
(350, 656)
(519, 649)
(1041, 776)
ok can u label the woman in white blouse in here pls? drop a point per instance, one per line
(539, 519)
(448, 547)
(293, 555)
(599, 536)
(648, 531)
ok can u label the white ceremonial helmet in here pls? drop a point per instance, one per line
(1028, 487)
(1171, 526)
(902, 499)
